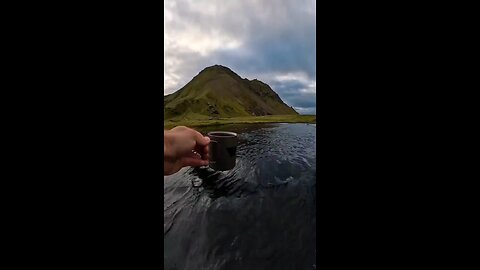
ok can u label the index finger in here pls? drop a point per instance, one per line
(199, 138)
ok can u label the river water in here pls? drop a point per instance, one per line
(260, 215)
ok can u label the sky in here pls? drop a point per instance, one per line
(272, 41)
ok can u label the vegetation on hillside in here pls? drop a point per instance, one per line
(217, 92)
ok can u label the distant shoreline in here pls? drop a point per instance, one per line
(311, 119)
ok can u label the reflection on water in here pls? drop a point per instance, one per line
(260, 215)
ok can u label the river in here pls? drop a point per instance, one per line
(260, 215)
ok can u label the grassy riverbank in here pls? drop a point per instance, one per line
(241, 120)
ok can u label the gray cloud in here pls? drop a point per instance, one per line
(256, 39)
(290, 92)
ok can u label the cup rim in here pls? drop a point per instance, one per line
(228, 134)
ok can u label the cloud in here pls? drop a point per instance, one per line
(273, 41)
(298, 92)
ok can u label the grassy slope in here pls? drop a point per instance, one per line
(220, 89)
(242, 120)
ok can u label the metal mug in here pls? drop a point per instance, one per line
(222, 150)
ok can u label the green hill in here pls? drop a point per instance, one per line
(218, 92)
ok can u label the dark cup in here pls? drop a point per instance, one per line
(223, 150)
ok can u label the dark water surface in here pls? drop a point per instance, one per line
(260, 215)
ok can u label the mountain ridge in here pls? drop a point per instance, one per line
(219, 92)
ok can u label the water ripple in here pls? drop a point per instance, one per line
(259, 215)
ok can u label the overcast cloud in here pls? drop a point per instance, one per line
(273, 41)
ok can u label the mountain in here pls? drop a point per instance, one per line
(218, 92)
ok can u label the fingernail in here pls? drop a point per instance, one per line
(207, 138)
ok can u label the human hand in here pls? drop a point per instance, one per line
(183, 147)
